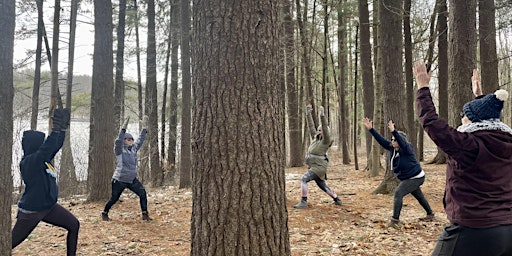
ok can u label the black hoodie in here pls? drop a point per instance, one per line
(41, 189)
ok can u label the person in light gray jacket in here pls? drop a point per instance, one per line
(316, 159)
(125, 174)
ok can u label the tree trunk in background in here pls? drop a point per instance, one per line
(101, 156)
(376, 152)
(119, 90)
(186, 106)
(410, 89)
(487, 38)
(54, 63)
(139, 76)
(37, 70)
(151, 110)
(239, 202)
(294, 124)
(7, 19)
(461, 55)
(163, 113)
(442, 74)
(343, 66)
(305, 57)
(143, 166)
(390, 39)
(173, 94)
(68, 182)
(367, 69)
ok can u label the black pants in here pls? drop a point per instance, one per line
(57, 216)
(463, 241)
(410, 186)
(117, 189)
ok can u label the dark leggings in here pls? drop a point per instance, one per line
(57, 216)
(117, 189)
(309, 176)
(463, 241)
(410, 186)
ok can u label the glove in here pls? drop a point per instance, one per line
(125, 124)
(61, 117)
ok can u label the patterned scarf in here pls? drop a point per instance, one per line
(485, 125)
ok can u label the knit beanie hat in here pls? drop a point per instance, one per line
(128, 136)
(487, 107)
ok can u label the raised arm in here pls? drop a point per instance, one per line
(310, 122)
(326, 133)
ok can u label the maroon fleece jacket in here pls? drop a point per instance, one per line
(478, 171)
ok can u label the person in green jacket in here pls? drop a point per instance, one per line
(316, 158)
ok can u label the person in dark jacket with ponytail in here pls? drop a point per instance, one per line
(478, 192)
(406, 168)
(39, 200)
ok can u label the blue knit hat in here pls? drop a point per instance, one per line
(487, 107)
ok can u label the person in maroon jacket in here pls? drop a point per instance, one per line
(478, 193)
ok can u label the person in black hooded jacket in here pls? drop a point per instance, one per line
(405, 167)
(39, 200)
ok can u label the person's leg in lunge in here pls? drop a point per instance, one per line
(323, 186)
(61, 217)
(139, 189)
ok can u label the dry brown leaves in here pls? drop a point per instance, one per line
(359, 227)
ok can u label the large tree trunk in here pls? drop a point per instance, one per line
(390, 38)
(151, 110)
(186, 106)
(294, 124)
(239, 203)
(54, 92)
(487, 39)
(461, 55)
(7, 19)
(101, 156)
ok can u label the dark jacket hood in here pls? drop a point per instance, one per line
(31, 141)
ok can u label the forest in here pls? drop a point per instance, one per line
(224, 86)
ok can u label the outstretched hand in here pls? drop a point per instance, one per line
(367, 123)
(475, 84)
(391, 126)
(420, 73)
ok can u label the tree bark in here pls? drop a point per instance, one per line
(186, 106)
(101, 156)
(487, 38)
(239, 203)
(461, 55)
(294, 124)
(119, 90)
(151, 110)
(7, 19)
(390, 39)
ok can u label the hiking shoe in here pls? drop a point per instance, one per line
(429, 217)
(394, 223)
(301, 205)
(104, 216)
(145, 216)
(337, 201)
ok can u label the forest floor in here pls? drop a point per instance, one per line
(358, 227)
